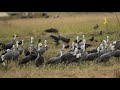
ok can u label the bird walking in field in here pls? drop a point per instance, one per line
(44, 49)
(56, 59)
(32, 47)
(96, 26)
(30, 57)
(106, 56)
(9, 55)
(92, 38)
(51, 30)
(10, 44)
(40, 59)
(21, 49)
(93, 56)
(16, 52)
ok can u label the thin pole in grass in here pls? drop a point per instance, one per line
(117, 18)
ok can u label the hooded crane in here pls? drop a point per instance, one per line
(116, 44)
(82, 48)
(116, 53)
(32, 43)
(39, 60)
(20, 49)
(76, 43)
(32, 56)
(51, 30)
(16, 52)
(2, 60)
(55, 60)
(103, 50)
(93, 56)
(105, 44)
(105, 57)
(84, 43)
(72, 47)
(70, 56)
(8, 50)
(83, 53)
(10, 44)
(64, 39)
(95, 49)
(91, 39)
(9, 55)
(96, 26)
(43, 49)
(27, 51)
(56, 39)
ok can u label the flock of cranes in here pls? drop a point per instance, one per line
(77, 52)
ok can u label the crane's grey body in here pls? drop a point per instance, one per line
(43, 49)
(68, 57)
(116, 53)
(92, 56)
(9, 55)
(31, 57)
(25, 60)
(101, 52)
(16, 54)
(105, 57)
(54, 60)
(10, 44)
(117, 44)
(20, 50)
(39, 60)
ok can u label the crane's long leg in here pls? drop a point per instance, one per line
(7, 65)
(3, 63)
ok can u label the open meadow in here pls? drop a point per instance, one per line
(69, 25)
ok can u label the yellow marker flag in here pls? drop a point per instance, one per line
(105, 21)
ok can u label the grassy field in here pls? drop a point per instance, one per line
(69, 25)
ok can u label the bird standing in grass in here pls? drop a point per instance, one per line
(10, 44)
(96, 26)
(21, 49)
(8, 56)
(106, 56)
(16, 52)
(92, 38)
(40, 59)
(56, 59)
(45, 48)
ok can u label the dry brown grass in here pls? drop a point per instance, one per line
(62, 71)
